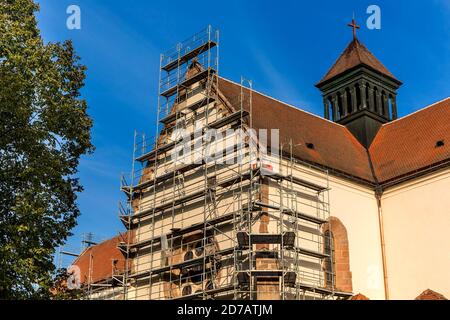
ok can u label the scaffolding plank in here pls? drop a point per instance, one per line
(180, 265)
(194, 106)
(179, 232)
(170, 174)
(216, 124)
(176, 202)
(189, 55)
(201, 103)
(289, 277)
(292, 212)
(233, 180)
(160, 149)
(324, 291)
(219, 289)
(189, 81)
(170, 118)
(304, 216)
(228, 119)
(299, 181)
(308, 184)
(312, 253)
(311, 288)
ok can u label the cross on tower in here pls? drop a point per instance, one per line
(354, 26)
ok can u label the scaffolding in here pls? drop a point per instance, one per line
(207, 215)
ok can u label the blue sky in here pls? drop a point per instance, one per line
(285, 47)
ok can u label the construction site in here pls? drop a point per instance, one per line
(225, 215)
(238, 195)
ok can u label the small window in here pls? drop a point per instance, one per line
(310, 145)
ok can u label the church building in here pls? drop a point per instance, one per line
(351, 205)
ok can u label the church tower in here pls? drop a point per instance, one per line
(359, 91)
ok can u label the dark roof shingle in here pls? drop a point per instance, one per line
(354, 55)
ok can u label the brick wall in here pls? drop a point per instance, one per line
(341, 258)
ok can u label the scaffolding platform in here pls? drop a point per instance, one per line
(311, 253)
(290, 277)
(161, 149)
(164, 177)
(172, 117)
(192, 107)
(189, 55)
(208, 293)
(236, 116)
(180, 265)
(292, 212)
(189, 81)
(324, 291)
(201, 103)
(245, 239)
(302, 182)
(192, 196)
(180, 232)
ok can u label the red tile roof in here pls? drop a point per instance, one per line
(409, 143)
(354, 55)
(401, 147)
(430, 295)
(334, 145)
(100, 257)
(359, 296)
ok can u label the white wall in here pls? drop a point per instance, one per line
(357, 209)
(417, 226)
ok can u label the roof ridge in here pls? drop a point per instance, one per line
(284, 103)
(358, 47)
(417, 111)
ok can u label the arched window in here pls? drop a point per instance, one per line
(349, 101)
(330, 107)
(329, 262)
(375, 102)
(384, 108)
(367, 95)
(340, 105)
(336, 267)
(358, 97)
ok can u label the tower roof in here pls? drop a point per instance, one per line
(354, 55)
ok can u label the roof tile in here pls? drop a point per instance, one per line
(409, 144)
(334, 145)
(103, 255)
(354, 55)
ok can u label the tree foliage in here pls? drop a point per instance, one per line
(44, 130)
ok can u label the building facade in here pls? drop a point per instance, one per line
(242, 196)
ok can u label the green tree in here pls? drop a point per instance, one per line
(44, 130)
